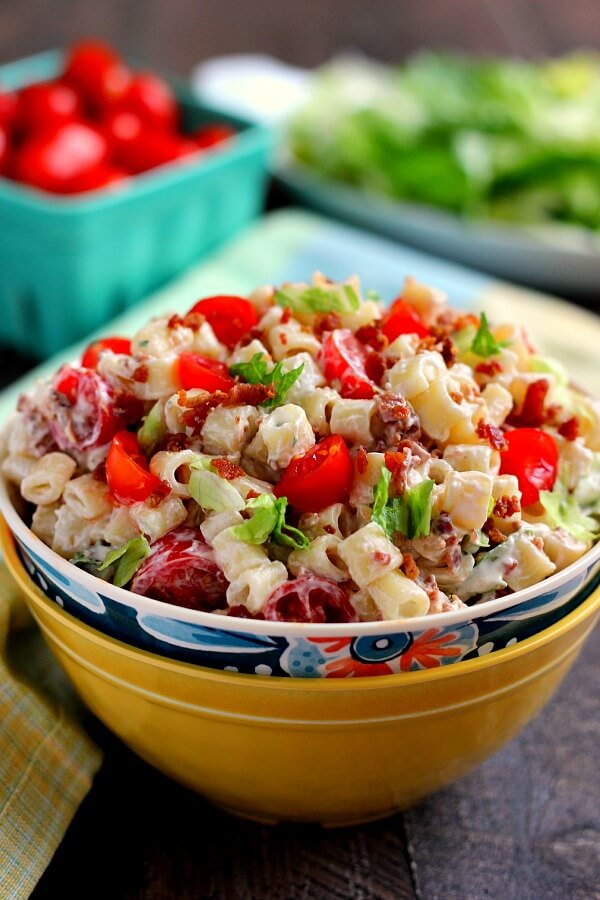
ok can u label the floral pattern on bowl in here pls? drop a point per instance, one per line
(230, 648)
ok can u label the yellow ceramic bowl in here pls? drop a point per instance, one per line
(331, 751)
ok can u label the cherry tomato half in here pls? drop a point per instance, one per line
(66, 160)
(309, 598)
(210, 135)
(229, 317)
(44, 106)
(91, 355)
(95, 70)
(401, 318)
(127, 470)
(531, 455)
(343, 357)
(196, 371)
(319, 477)
(83, 413)
(151, 98)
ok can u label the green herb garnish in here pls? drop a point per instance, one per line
(484, 343)
(257, 372)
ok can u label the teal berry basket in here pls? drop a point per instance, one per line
(67, 265)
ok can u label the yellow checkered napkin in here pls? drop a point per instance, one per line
(47, 762)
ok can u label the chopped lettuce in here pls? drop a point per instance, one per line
(268, 522)
(127, 558)
(153, 428)
(257, 372)
(211, 492)
(564, 511)
(409, 514)
(339, 298)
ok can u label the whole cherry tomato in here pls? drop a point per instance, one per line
(309, 598)
(229, 317)
(319, 477)
(182, 569)
(44, 106)
(151, 98)
(401, 318)
(4, 148)
(532, 455)
(83, 410)
(65, 160)
(98, 74)
(343, 358)
(9, 103)
(135, 145)
(196, 371)
(127, 470)
(210, 135)
(91, 355)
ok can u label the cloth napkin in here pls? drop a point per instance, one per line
(47, 762)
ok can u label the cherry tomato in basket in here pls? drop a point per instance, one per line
(9, 103)
(66, 160)
(151, 98)
(229, 317)
(401, 318)
(91, 355)
(196, 371)
(98, 74)
(309, 598)
(319, 477)
(4, 148)
(135, 145)
(343, 358)
(127, 472)
(45, 106)
(211, 135)
(531, 455)
(83, 410)
(182, 569)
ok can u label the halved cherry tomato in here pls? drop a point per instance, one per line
(65, 160)
(401, 318)
(127, 470)
(44, 106)
(309, 598)
(83, 411)
(343, 357)
(196, 371)
(97, 72)
(319, 477)
(151, 98)
(90, 358)
(532, 455)
(210, 135)
(229, 317)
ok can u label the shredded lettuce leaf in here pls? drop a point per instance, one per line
(341, 298)
(128, 558)
(565, 512)
(268, 521)
(409, 514)
(257, 372)
(211, 492)
(153, 428)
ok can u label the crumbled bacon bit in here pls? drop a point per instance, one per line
(193, 320)
(228, 470)
(329, 529)
(249, 394)
(362, 461)
(372, 336)
(174, 321)
(532, 413)
(392, 407)
(570, 429)
(489, 367)
(375, 366)
(141, 373)
(283, 338)
(397, 463)
(411, 569)
(440, 340)
(506, 506)
(492, 434)
(328, 322)
(538, 542)
(252, 494)
(381, 558)
(456, 396)
(453, 556)
(495, 536)
(99, 473)
(177, 442)
(286, 315)
(157, 496)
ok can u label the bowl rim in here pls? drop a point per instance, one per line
(149, 606)
(588, 608)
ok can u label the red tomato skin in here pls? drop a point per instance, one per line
(151, 98)
(531, 455)
(63, 161)
(135, 145)
(83, 412)
(230, 317)
(196, 371)
(401, 318)
(309, 598)
(46, 106)
(318, 478)
(91, 354)
(4, 150)
(211, 135)
(98, 74)
(127, 470)
(343, 359)
(9, 105)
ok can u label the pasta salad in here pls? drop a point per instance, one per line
(305, 454)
